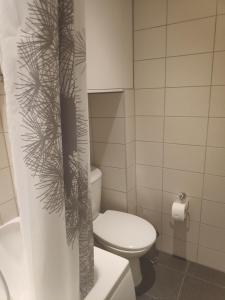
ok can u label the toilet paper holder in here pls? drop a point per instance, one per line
(181, 197)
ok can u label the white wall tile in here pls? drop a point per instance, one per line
(8, 147)
(149, 129)
(150, 199)
(186, 130)
(131, 202)
(129, 103)
(114, 200)
(211, 258)
(180, 248)
(148, 176)
(114, 178)
(150, 43)
(191, 70)
(131, 178)
(8, 211)
(175, 181)
(112, 155)
(3, 114)
(218, 69)
(213, 213)
(187, 101)
(183, 157)
(180, 10)
(221, 7)
(130, 129)
(152, 216)
(149, 13)
(149, 153)
(149, 73)
(217, 105)
(214, 188)
(220, 32)
(215, 161)
(149, 102)
(106, 104)
(194, 205)
(6, 186)
(190, 37)
(1, 126)
(187, 106)
(186, 231)
(130, 154)
(216, 130)
(212, 237)
(3, 152)
(110, 130)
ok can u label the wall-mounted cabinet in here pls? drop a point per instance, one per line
(109, 44)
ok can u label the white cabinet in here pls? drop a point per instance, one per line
(109, 44)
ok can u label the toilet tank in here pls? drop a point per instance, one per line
(96, 189)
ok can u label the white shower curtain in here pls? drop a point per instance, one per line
(42, 55)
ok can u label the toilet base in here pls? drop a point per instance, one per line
(136, 270)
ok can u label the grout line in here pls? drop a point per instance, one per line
(182, 282)
(164, 111)
(178, 22)
(207, 130)
(125, 134)
(154, 116)
(189, 196)
(179, 87)
(178, 144)
(177, 116)
(107, 117)
(135, 127)
(168, 168)
(178, 55)
(158, 166)
(207, 281)
(5, 168)
(7, 201)
(170, 267)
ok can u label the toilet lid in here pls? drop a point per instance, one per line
(124, 231)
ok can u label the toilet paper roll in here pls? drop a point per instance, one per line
(179, 210)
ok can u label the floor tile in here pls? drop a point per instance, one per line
(166, 285)
(171, 261)
(207, 274)
(196, 289)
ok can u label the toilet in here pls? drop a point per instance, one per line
(120, 233)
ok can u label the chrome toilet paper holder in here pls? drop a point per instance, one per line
(181, 197)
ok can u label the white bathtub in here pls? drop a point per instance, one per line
(113, 278)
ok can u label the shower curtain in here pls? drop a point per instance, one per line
(42, 55)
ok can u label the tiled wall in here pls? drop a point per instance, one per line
(113, 147)
(8, 209)
(180, 122)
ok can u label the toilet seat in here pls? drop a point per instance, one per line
(124, 231)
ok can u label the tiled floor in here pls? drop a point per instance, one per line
(173, 278)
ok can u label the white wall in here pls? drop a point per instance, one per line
(179, 63)
(113, 147)
(8, 209)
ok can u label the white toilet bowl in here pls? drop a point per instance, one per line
(126, 235)
(118, 232)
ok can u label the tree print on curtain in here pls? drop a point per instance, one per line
(52, 58)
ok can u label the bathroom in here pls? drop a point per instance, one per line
(151, 150)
